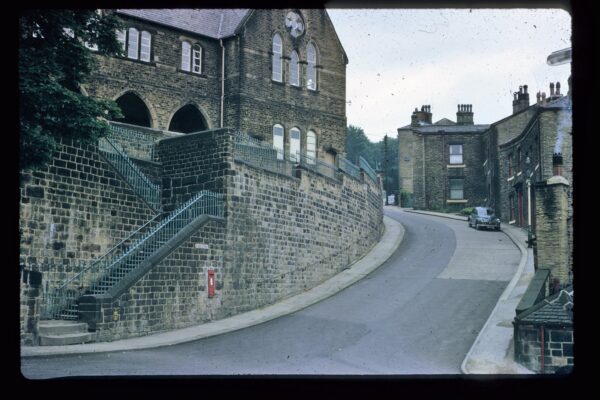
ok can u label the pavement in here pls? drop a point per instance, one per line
(493, 350)
(379, 253)
(491, 353)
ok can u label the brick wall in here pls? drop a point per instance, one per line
(557, 347)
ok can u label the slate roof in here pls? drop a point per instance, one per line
(213, 23)
(554, 309)
(451, 128)
(561, 102)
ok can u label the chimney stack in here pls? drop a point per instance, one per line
(521, 99)
(557, 163)
(464, 115)
(421, 117)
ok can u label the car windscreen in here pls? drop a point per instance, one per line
(482, 212)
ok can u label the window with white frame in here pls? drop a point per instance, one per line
(191, 57)
(311, 147)
(186, 52)
(133, 43)
(456, 154)
(137, 45)
(456, 189)
(277, 62)
(295, 144)
(197, 59)
(121, 38)
(278, 140)
(294, 69)
(311, 68)
(146, 46)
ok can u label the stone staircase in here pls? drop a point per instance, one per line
(60, 333)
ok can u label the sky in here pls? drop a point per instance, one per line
(400, 59)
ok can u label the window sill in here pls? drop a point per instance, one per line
(456, 165)
(137, 61)
(510, 179)
(278, 82)
(457, 201)
(192, 73)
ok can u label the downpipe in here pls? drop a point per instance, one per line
(222, 80)
(542, 367)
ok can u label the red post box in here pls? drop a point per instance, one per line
(211, 283)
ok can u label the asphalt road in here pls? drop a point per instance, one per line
(419, 313)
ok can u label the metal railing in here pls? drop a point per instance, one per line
(349, 168)
(318, 166)
(141, 184)
(102, 274)
(261, 154)
(364, 165)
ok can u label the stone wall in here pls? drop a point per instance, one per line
(30, 288)
(552, 243)
(74, 210)
(557, 349)
(281, 235)
(406, 157)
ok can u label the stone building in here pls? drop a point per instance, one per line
(279, 75)
(183, 214)
(441, 162)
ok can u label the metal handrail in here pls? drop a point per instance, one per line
(261, 154)
(141, 184)
(364, 165)
(348, 167)
(318, 166)
(139, 142)
(99, 276)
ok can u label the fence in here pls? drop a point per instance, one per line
(364, 165)
(103, 273)
(117, 157)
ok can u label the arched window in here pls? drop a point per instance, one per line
(311, 147)
(132, 44)
(311, 68)
(278, 140)
(277, 52)
(191, 57)
(294, 69)
(137, 46)
(186, 48)
(295, 144)
(197, 59)
(121, 35)
(145, 47)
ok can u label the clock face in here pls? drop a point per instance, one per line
(294, 23)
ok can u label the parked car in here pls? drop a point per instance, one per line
(483, 217)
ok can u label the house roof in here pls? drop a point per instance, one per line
(554, 309)
(431, 129)
(444, 121)
(213, 23)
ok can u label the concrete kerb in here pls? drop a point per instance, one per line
(507, 291)
(379, 253)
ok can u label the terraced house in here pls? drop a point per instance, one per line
(224, 188)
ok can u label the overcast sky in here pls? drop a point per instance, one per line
(400, 59)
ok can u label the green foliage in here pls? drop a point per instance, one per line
(357, 144)
(52, 66)
(467, 211)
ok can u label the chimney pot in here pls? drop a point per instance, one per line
(520, 89)
(557, 163)
(557, 88)
(525, 88)
(551, 89)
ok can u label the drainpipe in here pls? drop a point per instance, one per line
(423, 170)
(222, 79)
(542, 349)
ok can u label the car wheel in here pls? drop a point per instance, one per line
(477, 226)
(470, 223)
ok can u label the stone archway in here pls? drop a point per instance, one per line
(188, 119)
(135, 111)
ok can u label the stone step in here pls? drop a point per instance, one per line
(66, 339)
(60, 327)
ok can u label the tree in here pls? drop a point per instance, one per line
(54, 59)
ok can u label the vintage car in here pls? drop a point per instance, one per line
(483, 217)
